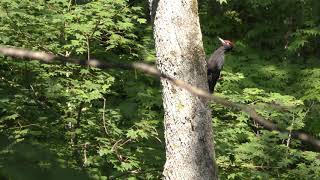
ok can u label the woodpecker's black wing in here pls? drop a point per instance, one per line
(213, 79)
(215, 65)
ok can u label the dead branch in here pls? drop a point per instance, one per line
(152, 70)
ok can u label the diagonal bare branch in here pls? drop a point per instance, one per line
(152, 70)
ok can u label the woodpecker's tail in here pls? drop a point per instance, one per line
(211, 88)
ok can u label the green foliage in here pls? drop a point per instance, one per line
(66, 121)
(274, 69)
(69, 28)
(94, 124)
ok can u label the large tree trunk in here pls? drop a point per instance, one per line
(180, 54)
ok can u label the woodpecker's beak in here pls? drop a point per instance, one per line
(222, 41)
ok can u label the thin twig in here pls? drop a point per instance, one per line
(85, 154)
(128, 140)
(115, 145)
(103, 116)
(290, 131)
(88, 48)
(69, 5)
(24, 126)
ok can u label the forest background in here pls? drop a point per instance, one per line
(73, 122)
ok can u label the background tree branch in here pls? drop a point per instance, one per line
(22, 53)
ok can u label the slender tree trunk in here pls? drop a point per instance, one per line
(180, 54)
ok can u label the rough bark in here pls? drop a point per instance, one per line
(180, 54)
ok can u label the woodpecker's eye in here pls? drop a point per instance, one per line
(228, 42)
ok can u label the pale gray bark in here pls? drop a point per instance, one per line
(180, 54)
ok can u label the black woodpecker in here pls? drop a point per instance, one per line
(215, 63)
